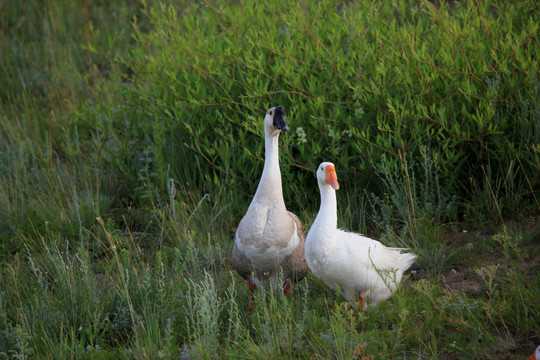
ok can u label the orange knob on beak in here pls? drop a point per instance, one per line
(331, 177)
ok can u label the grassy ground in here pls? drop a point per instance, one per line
(129, 151)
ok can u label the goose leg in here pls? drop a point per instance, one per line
(362, 302)
(286, 289)
(251, 296)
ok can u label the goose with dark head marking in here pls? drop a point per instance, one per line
(362, 268)
(270, 240)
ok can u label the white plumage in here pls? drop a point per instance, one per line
(362, 268)
(270, 240)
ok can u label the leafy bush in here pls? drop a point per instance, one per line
(372, 80)
(125, 163)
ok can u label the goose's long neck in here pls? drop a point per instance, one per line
(327, 216)
(270, 184)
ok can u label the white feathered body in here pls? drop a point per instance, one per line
(270, 239)
(358, 266)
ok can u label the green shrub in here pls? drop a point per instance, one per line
(126, 163)
(372, 80)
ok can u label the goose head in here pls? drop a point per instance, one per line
(326, 175)
(275, 121)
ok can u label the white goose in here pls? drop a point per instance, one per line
(358, 266)
(269, 237)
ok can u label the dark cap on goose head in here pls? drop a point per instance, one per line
(278, 118)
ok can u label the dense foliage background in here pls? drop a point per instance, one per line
(405, 81)
(131, 144)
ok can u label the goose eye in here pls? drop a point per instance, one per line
(270, 113)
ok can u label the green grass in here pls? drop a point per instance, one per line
(130, 147)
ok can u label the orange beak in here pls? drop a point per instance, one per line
(331, 177)
(535, 355)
